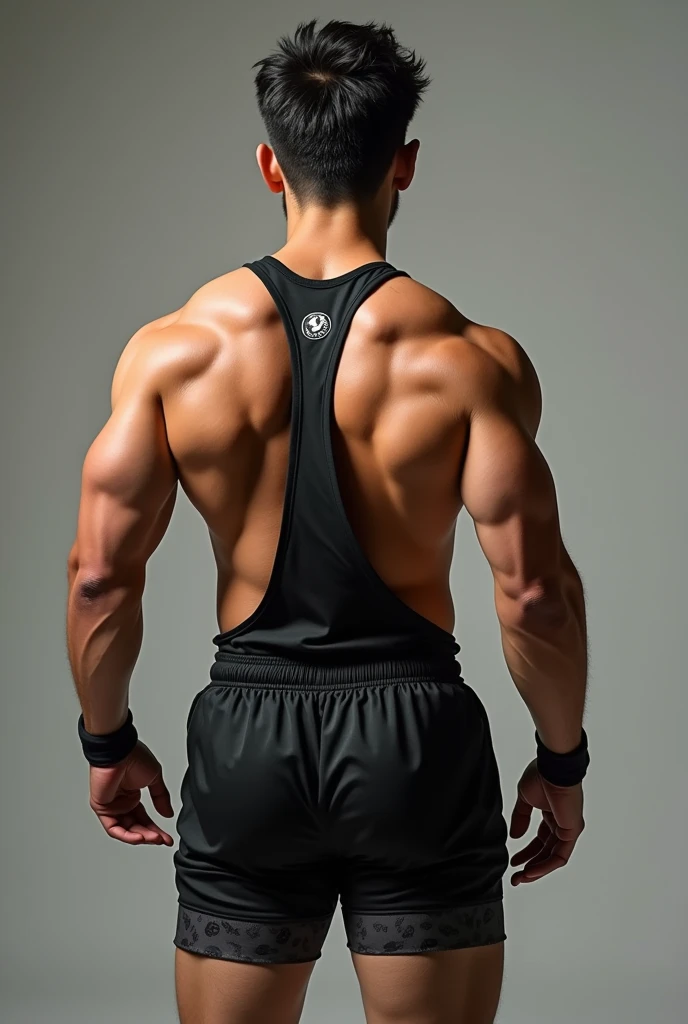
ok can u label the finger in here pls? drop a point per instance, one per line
(542, 854)
(549, 819)
(569, 835)
(152, 832)
(528, 852)
(165, 838)
(546, 867)
(535, 848)
(124, 835)
(144, 826)
(160, 795)
(537, 857)
(116, 830)
(154, 836)
(557, 857)
(520, 818)
(149, 837)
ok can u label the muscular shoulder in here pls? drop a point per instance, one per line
(179, 346)
(477, 362)
(406, 308)
(502, 362)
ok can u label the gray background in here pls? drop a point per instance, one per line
(549, 201)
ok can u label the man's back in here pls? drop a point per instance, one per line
(411, 370)
(328, 417)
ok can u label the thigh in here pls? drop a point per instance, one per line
(458, 986)
(213, 991)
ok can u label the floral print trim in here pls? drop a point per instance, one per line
(250, 941)
(480, 925)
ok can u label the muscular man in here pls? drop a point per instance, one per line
(329, 416)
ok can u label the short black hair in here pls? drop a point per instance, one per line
(336, 103)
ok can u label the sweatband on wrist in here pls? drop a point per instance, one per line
(563, 769)
(112, 747)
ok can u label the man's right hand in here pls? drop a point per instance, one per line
(562, 824)
(116, 798)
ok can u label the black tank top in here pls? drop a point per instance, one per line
(324, 601)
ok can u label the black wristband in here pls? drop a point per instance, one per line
(563, 769)
(104, 751)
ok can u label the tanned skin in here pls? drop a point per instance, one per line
(432, 412)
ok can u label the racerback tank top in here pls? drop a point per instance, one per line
(324, 601)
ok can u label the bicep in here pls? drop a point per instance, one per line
(508, 490)
(128, 484)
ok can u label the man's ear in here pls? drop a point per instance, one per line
(405, 164)
(269, 168)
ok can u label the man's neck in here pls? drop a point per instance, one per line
(325, 242)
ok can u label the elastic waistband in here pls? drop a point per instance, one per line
(276, 672)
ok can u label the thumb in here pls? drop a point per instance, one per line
(105, 782)
(566, 805)
(160, 795)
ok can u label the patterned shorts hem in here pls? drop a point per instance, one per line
(412, 951)
(222, 938)
(399, 934)
(200, 951)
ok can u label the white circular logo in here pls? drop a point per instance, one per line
(316, 325)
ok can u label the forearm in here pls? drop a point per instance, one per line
(546, 654)
(104, 634)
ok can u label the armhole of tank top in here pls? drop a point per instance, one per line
(362, 559)
(292, 464)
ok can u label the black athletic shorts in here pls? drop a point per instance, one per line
(372, 784)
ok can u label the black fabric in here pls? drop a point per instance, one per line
(563, 769)
(384, 794)
(336, 753)
(109, 748)
(283, 673)
(325, 601)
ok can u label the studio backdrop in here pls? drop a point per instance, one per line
(550, 201)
